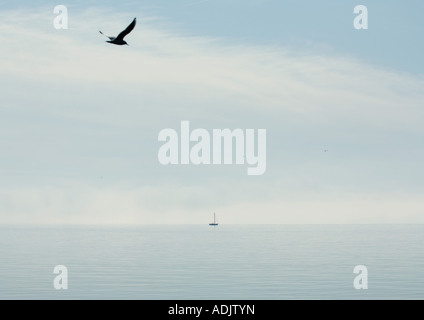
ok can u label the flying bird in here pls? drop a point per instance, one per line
(119, 40)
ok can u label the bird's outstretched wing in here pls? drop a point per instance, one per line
(127, 30)
(110, 38)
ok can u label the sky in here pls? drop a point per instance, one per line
(80, 118)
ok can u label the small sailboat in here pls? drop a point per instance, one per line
(214, 223)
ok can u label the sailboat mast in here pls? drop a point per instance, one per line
(214, 223)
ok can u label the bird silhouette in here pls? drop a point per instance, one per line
(119, 40)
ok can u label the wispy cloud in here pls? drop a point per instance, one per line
(75, 108)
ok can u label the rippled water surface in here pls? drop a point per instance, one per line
(202, 262)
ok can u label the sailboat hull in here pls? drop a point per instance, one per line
(213, 224)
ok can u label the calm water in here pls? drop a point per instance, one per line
(202, 262)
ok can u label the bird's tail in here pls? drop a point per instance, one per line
(110, 38)
(104, 34)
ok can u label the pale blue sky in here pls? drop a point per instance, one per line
(79, 118)
(394, 38)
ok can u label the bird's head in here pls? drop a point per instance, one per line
(125, 43)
